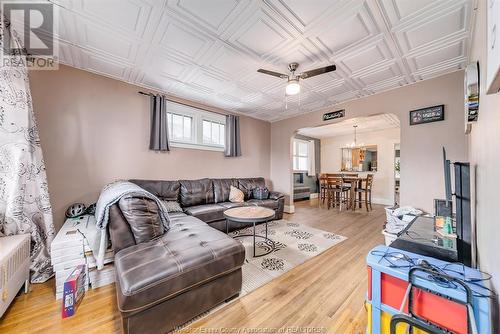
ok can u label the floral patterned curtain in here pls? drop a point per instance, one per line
(24, 198)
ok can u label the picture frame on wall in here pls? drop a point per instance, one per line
(427, 115)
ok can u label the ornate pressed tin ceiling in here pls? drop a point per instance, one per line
(209, 50)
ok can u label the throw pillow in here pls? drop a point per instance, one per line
(236, 195)
(260, 193)
(142, 216)
(172, 206)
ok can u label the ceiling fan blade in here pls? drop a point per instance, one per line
(318, 71)
(274, 74)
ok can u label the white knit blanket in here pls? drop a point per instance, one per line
(111, 194)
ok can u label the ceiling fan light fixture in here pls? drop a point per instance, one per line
(293, 87)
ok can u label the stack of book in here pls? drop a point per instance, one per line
(104, 276)
(70, 249)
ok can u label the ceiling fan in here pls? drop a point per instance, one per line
(293, 85)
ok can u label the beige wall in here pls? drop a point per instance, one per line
(421, 158)
(383, 178)
(484, 154)
(94, 130)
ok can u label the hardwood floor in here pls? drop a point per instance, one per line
(325, 294)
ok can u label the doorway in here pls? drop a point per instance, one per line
(362, 145)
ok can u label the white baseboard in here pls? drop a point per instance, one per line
(313, 195)
(289, 208)
(383, 201)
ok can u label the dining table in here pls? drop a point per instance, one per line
(354, 182)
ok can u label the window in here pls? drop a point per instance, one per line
(190, 127)
(213, 133)
(180, 127)
(300, 155)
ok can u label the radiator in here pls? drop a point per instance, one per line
(14, 267)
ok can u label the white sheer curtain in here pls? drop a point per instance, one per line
(311, 157)
(24, 198)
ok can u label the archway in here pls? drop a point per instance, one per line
(331, 148)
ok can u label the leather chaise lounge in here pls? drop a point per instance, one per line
(163, 281)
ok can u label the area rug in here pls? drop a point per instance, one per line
(294, 244)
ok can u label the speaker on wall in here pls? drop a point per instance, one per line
(463, 212)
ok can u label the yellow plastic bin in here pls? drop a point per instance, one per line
(385, 323)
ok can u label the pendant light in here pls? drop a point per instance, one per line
(354, 144)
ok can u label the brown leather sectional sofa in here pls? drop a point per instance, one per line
(171, 278)
(207, 199)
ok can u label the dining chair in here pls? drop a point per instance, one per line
(351, 182)
(337, 192)
(365, 187)
(323, 184)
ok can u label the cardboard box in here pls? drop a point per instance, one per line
(74, 289)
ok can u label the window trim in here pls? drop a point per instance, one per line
(197, 116)
(202, 147)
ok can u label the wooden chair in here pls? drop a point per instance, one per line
(365, 187)
(350, 181)
(323, 186)
(337, 192)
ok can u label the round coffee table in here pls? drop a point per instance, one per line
(251, 214)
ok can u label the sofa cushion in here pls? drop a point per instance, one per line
(119, 229)
(267, 203)
(248, 185)
(275, 195)
(176, 215)
(141, 213)
(196, 192)
(208, 212)
(190, 254)
(229, 205)
(164, 190)
(222, 187)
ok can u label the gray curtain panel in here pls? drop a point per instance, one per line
(159, 139)
(233, 144)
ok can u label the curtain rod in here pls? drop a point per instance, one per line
(185, 104)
